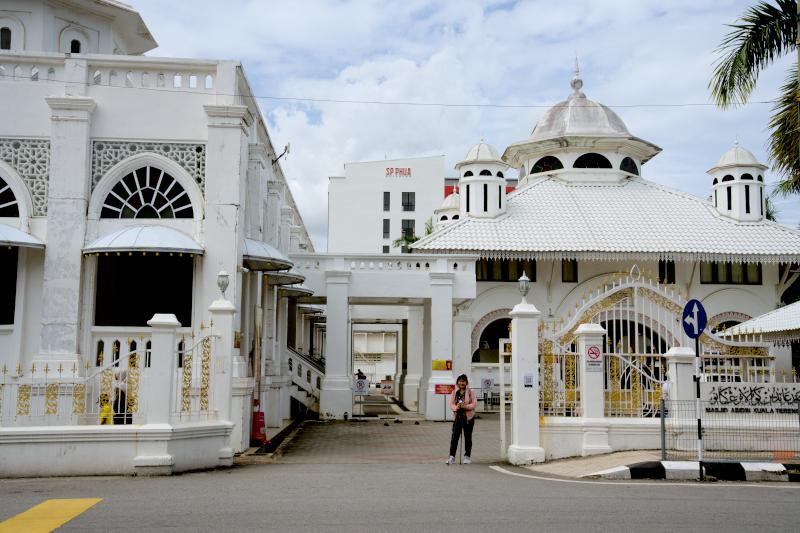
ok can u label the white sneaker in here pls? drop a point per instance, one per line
(467, 460)
(451, 460)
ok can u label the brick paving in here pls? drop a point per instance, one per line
(366, 442)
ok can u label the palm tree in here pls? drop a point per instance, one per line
(764, 33)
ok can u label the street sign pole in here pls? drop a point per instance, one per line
(694, 322)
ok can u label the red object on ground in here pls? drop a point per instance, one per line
(258, 428)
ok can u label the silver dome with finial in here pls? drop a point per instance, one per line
(579, 116)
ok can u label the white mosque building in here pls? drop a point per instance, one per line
(128, 183)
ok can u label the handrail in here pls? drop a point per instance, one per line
(317, 363)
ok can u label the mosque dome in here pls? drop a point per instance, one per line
(481, 153)
(452, 201)
(579, 116)
(738, 156)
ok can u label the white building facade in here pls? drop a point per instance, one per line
(377, 202)
(127, 185)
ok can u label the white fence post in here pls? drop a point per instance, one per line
(680, 373)
(525, 446)
(595, 427)
(162, 367)
(222, 312)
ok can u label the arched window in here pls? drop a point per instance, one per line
(5, 39)
(148, 192)
(455, 217)
(98, 360)
(308, 376)
(485, 172)
(747, 176)
(9, 207)
(546, 164)
(468, 173)
(290, 364)
(760, 177)
(592, 160)
(489, 344)
(500, 174)
(444, 217)
(727, 177)
(629, 165)
(715, 181)
(74, 46)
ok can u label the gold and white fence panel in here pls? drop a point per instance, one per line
(559, 380)
(192, 387)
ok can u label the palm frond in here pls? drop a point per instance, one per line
(764, 33)
(784, 139)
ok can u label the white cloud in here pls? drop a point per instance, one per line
(632, 52)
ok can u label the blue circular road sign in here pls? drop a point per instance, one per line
(694, 319)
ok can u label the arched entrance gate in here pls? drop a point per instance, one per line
(642, 320)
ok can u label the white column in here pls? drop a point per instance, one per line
(222, 313)
(590, 353)
(164, 341)
(67, 201)
(414, 354)
(462, 346)
(441, 335)
(285, 379)
(525, 446)
(680, 373)
(426, 357)
(337, 396)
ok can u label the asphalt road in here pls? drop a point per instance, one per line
(404, 497)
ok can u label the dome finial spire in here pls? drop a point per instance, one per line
(577, 82)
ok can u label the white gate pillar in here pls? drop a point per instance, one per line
(222, 314)
(441, 338)
(163, 365)
(680, 373)
(590, 353)
(336, 396)
(462, 344)
(525, 445)
(414, 351)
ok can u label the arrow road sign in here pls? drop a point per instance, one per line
(694, 319)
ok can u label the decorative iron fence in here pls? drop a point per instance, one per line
(559, 382)
(48, 396)
(741, 433)
(192, 387)
(633, 385)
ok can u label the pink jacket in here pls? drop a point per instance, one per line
(469, 405)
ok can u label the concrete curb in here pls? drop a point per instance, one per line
(688, 470)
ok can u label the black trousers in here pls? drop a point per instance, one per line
(461, 424)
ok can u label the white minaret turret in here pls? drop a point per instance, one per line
(482, 183)
(737, 187)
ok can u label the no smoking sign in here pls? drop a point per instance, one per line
(594, 361)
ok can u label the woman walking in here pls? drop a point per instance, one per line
(463, 403)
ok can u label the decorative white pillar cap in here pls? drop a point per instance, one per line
(590, 329)
(222, 306)
(524, 310)
(680, 354)
(164, 320)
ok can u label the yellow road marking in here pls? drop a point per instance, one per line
(48, 515)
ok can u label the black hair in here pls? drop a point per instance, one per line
(464, 377)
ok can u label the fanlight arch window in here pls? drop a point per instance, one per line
(715, 181)
(760, 177)
(747, 176)
(455, 217)
(444, 217)
(546, 164)
(592, 160)
(468, 173)
(9, 207)
(727, 177)
(629, 165)
(500, 174)
(485, 172)
(147, 192)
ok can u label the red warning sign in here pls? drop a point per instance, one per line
(593, 353)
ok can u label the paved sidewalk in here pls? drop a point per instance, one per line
(583, 466)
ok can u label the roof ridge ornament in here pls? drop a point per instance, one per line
(577, 82)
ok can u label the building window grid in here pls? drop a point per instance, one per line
(569, 270)
(386, 228)
(409, 201)
(387, 201)
(666, 272)
(407, 226)
(506, 270)
(719, 273)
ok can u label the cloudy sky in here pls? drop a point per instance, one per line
(649, 60)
